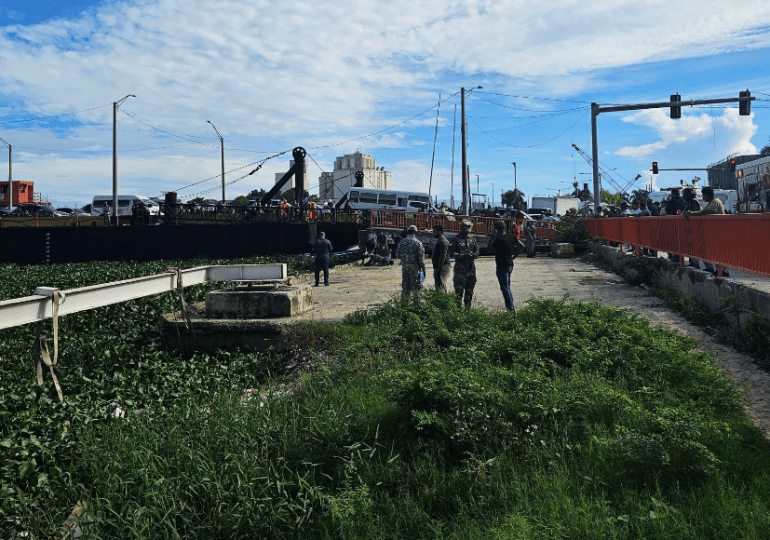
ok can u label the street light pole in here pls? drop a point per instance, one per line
(115, 106)
(222, 145)
(10, 174)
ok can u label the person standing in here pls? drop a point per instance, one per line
(106, 214)
(713, 206)
(323, 249)
(465, 250)
(507, 248)
(412, 254)
(675, 205)
(691, 205)
(529, 230)
(440, 259)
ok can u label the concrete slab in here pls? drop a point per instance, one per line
(259, 302)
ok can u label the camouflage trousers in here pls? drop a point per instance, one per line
(410, 280)
(464, 281)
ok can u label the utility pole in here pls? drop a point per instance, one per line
(222, 145)
(115, 106)
(675, 104)
(466, 189)
(452, 170)
(10, 174)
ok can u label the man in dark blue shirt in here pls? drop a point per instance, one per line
(506, 248)
(323, 249)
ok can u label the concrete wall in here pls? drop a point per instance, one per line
(734, 300)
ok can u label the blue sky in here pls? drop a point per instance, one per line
(336, 77)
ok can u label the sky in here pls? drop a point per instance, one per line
(382, 78)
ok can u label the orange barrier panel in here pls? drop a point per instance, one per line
(398, 219)
(739, 241)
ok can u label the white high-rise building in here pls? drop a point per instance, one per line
(333, 185)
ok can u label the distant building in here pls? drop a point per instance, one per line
(291, 184)
(23, 193)
(721, 176)
(335, 184)
(753, 178)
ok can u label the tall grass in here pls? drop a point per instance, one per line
(419, 420)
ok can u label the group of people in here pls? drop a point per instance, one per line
(680, 202)
(464, 249)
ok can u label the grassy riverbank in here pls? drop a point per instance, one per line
(567, 420)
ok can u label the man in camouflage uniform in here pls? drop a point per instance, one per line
(465, 250)
(412, 254)
(529, 230)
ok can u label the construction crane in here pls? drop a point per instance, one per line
(605, 173)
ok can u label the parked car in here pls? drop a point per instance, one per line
(4, 212)
(40, 210)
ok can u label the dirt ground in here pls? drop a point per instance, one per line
(354, 287)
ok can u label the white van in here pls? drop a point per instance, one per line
(729, 198)
(379, 199)
(125, 204)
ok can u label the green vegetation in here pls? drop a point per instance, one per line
(418, 420)
(753, 338)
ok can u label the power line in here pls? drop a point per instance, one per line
(531, 145)
(262, 162)
(537, 98)
(179, 135)
(52, 116)
(528, 110)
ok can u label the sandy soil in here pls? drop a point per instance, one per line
(354, 287)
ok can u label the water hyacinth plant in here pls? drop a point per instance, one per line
(417, 420)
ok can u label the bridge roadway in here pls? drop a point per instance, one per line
(353, 287)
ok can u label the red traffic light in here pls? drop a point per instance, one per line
(654, 167)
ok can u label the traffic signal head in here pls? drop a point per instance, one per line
(732, 164)
(654, 167)
(744, 107)
(676, 112)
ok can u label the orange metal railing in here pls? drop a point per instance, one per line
(398, 219)
(739, 241)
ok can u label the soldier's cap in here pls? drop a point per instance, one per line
(438, 228)
(411, 228)
(466, 223)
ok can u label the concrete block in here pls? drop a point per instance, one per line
(562, 250)
(248, 303)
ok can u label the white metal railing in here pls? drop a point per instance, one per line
(39, 307)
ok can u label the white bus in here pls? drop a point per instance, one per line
(125, 204)
(379, 199)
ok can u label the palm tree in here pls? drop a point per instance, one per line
(515, 199)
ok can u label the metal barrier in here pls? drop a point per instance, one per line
(399, 219)
(740, 241)
(39, 307)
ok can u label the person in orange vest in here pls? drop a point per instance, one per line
(284, 212)
(312, 212)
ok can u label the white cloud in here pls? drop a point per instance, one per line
(272, 75)
(734, 132)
